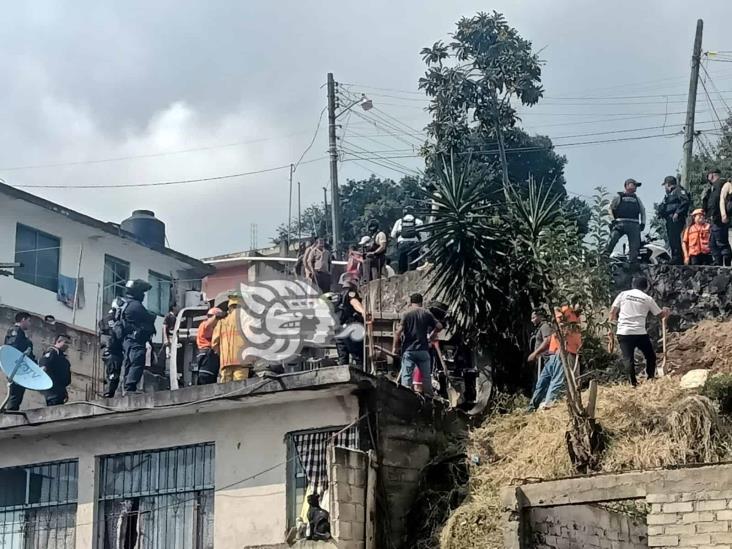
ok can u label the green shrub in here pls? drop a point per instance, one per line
(719, 389)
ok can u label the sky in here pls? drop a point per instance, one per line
(102, 94)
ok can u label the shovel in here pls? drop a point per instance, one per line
(452, 395)
(662, 370)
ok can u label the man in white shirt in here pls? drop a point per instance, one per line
(406, 230)
(630, 310)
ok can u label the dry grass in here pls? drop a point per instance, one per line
(658, 424)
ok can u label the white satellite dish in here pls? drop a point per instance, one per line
(22, 370)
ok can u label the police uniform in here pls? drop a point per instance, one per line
(112, 353)
(58, 368)
(675, 203)
(629, 219)
(16, 337)
(347, 347)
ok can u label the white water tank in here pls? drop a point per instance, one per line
(193, 298)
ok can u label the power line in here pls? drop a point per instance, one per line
(312, 142)
(166, 183)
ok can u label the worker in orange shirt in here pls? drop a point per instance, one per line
(207, 359)
(695, 240)
(551, 382)
(228, 341)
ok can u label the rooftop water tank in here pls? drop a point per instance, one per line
(147, 228)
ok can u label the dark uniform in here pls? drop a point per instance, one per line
(16, 338)
(346, 346)
(58, 368)
(629, 218)
(719, 240)
(112, 352)
(675, 203)
(138, 326)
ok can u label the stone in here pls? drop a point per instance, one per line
(694, 378)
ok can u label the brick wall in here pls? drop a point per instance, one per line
(348, 497)
(691, 520)
(583, 526)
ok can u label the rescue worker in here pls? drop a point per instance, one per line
(695, 240)
(673, 209)
(716, 208)
(110, 339)
(16, 337)
(207, 360)
(407, 234)
(375, 251)
(138, 326)
(351, 316)
(629, 219)
(228, 342)
(58, 368)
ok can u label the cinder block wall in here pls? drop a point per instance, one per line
(348, 497)
(586, 526)
(691, 520)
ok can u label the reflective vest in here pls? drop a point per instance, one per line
(696, 237)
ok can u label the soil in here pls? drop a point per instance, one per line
(707, 345)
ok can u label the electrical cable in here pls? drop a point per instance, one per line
(312, 142)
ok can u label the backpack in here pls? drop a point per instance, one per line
(409, 227)
(118, 329)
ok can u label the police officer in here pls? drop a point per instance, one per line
(674, 209)
(138, 326)
(350, 342)
(17, 338)
(111, 337)
(58, 368)
(406, 231)
(629, 219)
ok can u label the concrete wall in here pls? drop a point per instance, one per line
(583, 526)
(349, 471)
(74, 236)
(691, 519)
(247, 441)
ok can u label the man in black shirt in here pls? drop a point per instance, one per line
(674, 209)
(17, 338)
(417, 327)
(58, 368)
(351, 313)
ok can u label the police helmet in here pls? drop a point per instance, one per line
(137, 287)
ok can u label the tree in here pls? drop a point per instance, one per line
(718, 155)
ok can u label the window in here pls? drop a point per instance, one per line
(38, 506)
(116, 275)
(39, 253)
(157, 499)
(307, 464)
(158, 298)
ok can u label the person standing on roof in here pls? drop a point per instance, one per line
(138, 326)
(407, 233)
(16, 337)
(695, 240)
(320, 265)
(55, 363)
(717, 202)
(375, 251)
(674, 209)
(110, 340)
(207, 360)
(228, 342)
(351, 317)
(630, 310)
(629, 219)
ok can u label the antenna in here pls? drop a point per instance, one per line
(253, 236)
(23, 371)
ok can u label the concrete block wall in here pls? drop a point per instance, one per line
(348, 473)
(583, 526)
(690, 520)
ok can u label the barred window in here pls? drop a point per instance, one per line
(38, 506)
(157, 499)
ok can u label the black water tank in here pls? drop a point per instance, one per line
(147, 228)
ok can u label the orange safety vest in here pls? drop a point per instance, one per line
(204, 334)
(696, 237)
(569, 320)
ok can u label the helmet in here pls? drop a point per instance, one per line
(234, 300)
(347, 280)
(373, 225)
(137, 288)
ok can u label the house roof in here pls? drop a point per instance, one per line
(106, 226)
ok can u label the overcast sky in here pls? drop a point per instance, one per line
(240, 82)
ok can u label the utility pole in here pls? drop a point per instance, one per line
(299, 216)
(691, 105)
(325, 208)
(333, 151)
(289, 212)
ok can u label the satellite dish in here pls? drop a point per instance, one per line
(22, 370)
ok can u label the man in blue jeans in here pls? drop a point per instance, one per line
(416, 328)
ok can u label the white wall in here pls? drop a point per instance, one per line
(247, 441)
(73, 236)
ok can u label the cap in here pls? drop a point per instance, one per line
(213, 311)
(696, 212)
(633, 181)
(669, 180)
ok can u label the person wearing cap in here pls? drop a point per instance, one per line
(717, 207)
(695, 240)
(629, 219)
(350, 312)
(138, 326)
(207, 360)
(228, 342)
(673, 209)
